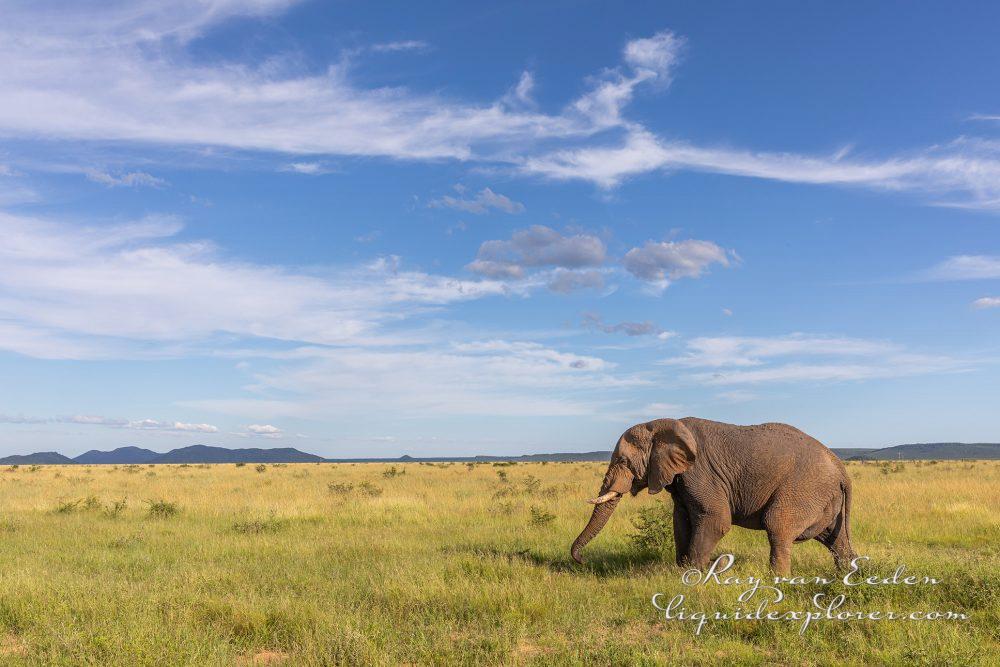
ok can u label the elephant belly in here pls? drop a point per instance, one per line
(753, 521)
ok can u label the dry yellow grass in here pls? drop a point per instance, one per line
(320, 564)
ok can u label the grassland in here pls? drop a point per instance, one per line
(441, 564)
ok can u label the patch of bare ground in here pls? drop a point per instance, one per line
(264, 658)
(12, 645)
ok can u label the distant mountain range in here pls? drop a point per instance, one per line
(207, 454)
(193, 454)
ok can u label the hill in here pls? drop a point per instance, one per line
(935, 450)
(122, 455)
(38, 458)
(206, 454)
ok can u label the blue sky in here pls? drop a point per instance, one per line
(363, 232)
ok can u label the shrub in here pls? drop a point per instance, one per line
(531, 483)
(502, 475)
(392, 471)
(370, 489)
(88, 504)
(115, 508)
(540, 517)
(255, 526)
(162, 509)
(654, 528)
(240, 464)
(339, 488)
(260, 467)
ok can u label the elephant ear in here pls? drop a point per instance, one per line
(674, 450)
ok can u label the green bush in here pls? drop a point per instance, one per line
(654, 529)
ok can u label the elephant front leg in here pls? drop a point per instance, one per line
(706, 532)
(682, 533)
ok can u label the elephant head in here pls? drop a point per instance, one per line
(647, 456)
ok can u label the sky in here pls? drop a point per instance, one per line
(361, 229)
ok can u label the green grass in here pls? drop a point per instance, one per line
(443, 564)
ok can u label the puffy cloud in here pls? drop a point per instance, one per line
(565, 281)
(264, 431)
(658, 54)
(483, 202)
(537, 246)
(660, 261)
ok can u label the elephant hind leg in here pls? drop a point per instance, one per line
(781, 552)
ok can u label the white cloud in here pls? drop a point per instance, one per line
(96, 420)
(178, 427)
(128, 180)
(964, 267)
(663, 261)
(483, 202)
(121, 72)
(987, 302)
(500, 378)
(658, 54)
(403, 45)
(307, 168)
(264, 431)
(964, 173)
(802, 358)
(86, 292)
(752, 351)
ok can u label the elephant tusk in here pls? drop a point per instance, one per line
(603, 499)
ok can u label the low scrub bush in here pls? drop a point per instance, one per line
(162, 509)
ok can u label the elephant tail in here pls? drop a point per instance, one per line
(843, 535)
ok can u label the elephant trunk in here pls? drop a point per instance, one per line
(617, 482)
(602, 513)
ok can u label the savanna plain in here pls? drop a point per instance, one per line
(448, 563)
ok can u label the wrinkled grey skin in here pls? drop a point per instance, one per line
(770, 477)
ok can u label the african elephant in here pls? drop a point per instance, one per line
(770, 477)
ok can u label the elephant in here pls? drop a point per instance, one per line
(770, 477)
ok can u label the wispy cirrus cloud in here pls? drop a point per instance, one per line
(110, 422)
(963, 267)
(120, 72)
(987, 302)
(129, 180)
(731, 360)
(401, 45)
(76, 291)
